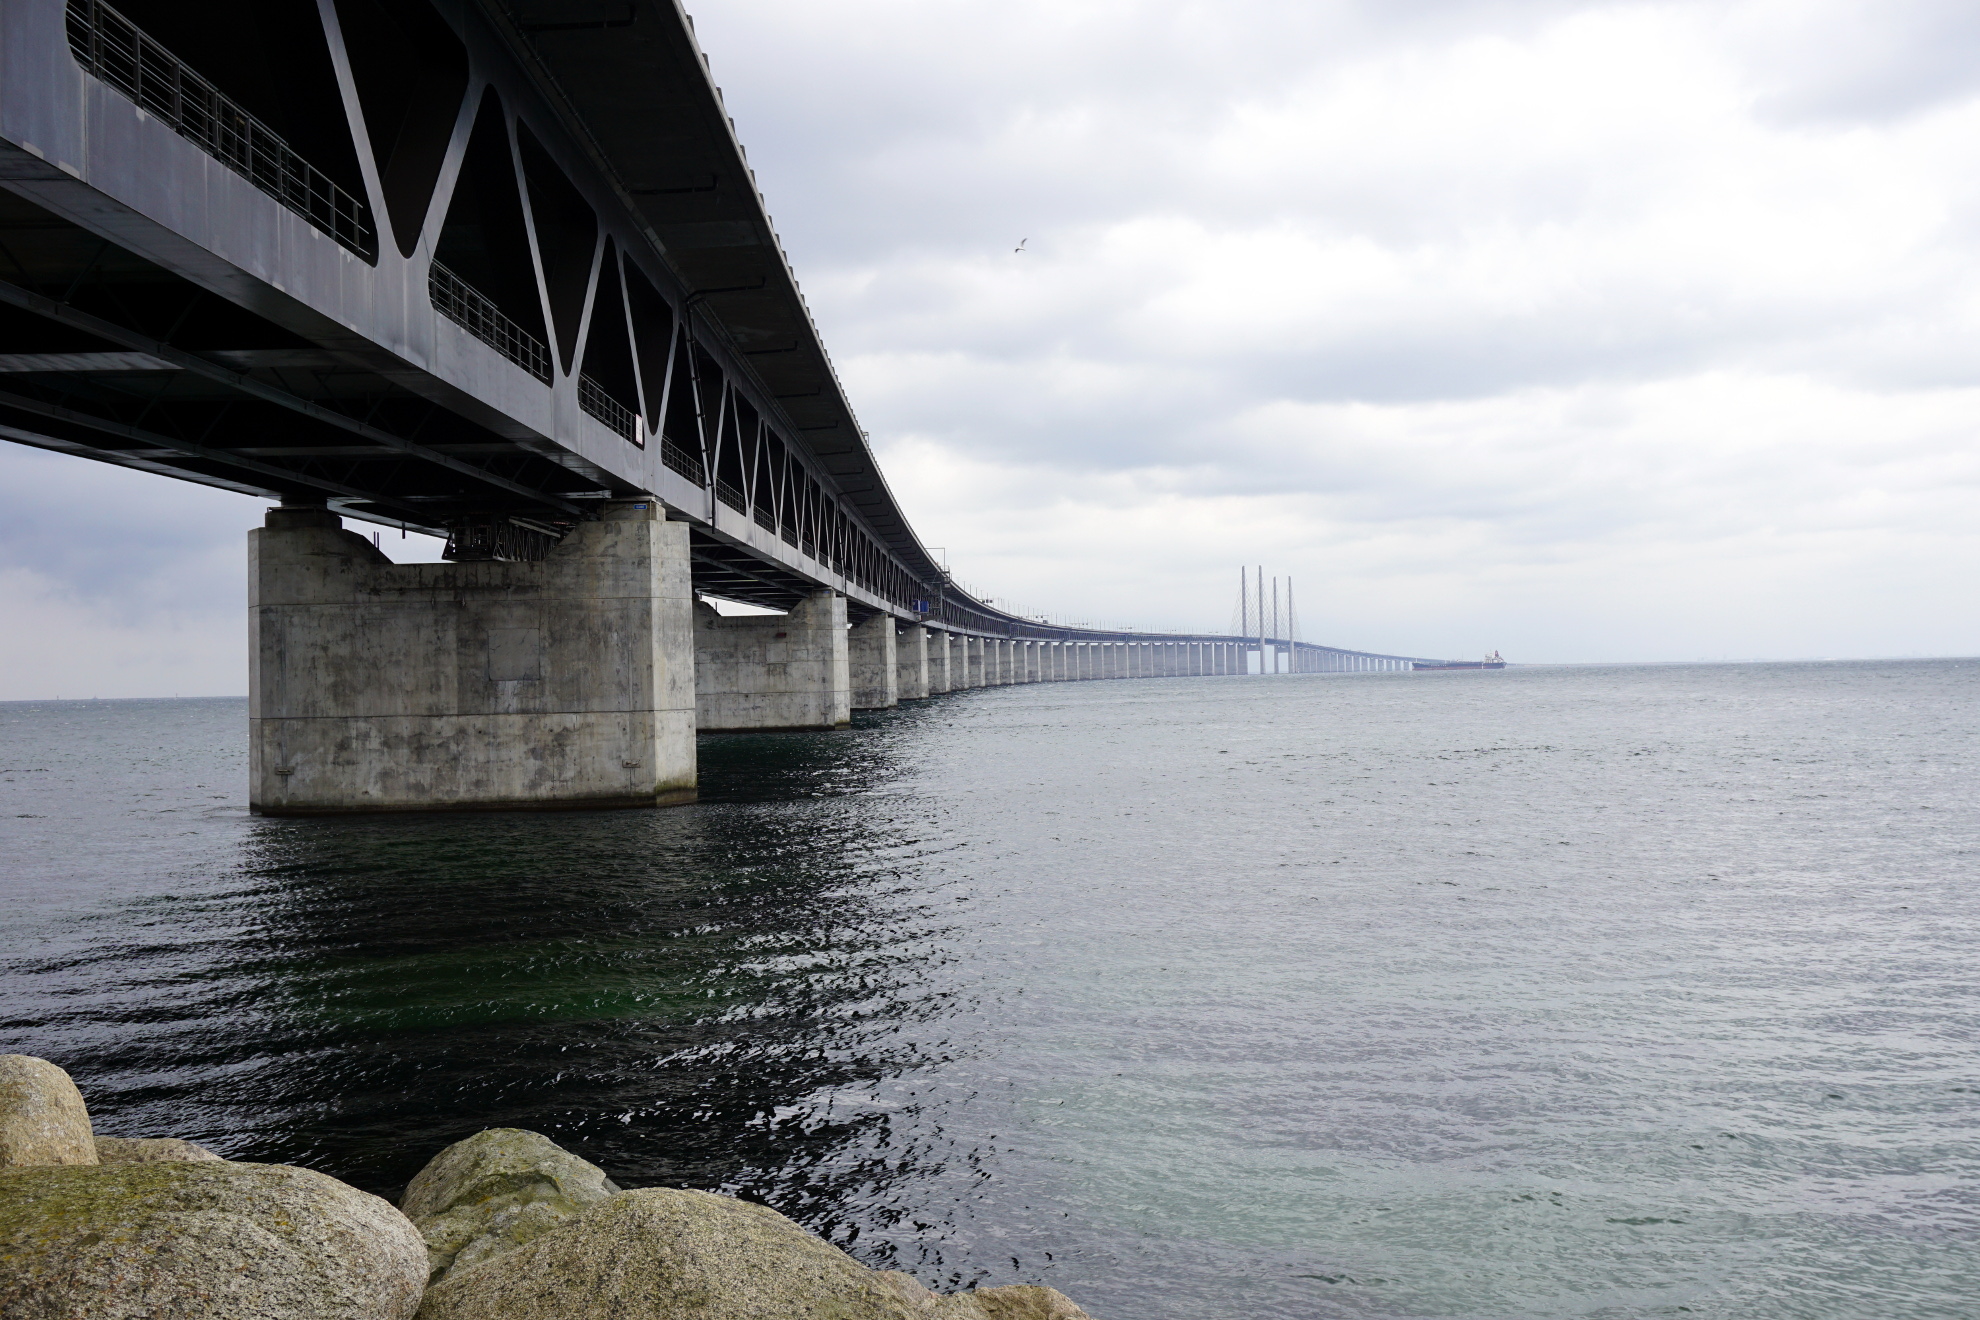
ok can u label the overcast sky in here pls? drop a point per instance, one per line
(1581, 331)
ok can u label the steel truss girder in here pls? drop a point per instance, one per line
(55, 412)
(41, 305)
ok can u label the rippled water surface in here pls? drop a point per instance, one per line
(1553, 992)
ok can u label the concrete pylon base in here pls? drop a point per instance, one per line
(911, 663)
(773, 672)
(561, 684)
(944, 659)
(873, 657)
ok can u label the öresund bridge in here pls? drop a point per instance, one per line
(496, 271)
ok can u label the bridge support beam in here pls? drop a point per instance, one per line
(871, 654)
(911, 663)
(376, 686)
(773, 671)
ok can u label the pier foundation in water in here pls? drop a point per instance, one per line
(564, 682)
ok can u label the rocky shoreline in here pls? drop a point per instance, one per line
(505, 1224)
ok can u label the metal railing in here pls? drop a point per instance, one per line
(471, 310)
(594, 400)
(113, 48)
(766, 519)
(680, 460)
(730, 496)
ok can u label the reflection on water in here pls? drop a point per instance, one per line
(1550, 993)
(659, 991)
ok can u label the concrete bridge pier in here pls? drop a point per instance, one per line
(872, 658)
(911, 663)
(773, 671)
(945, 663)
(939, 660)
(375, 686)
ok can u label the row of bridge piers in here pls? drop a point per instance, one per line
(581, 680)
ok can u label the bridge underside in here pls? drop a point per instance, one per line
(498, 271)
(109, 356)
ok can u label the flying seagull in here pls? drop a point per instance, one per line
(1020, 246)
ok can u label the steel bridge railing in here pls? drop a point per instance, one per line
(118, 52)
(471, 310)
(593, 398)
(683, 462)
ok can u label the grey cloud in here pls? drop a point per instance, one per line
(1868, 63)
(121, 540)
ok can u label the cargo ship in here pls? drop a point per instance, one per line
(1492, 661)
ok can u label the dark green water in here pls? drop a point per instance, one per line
(1557, 992)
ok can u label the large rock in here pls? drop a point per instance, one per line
(1014, 1302)
(201, 1240)
(1027, 1301)
(667, 1255)
(924, 1304)
(42, 1116)
(148, 1150)
(494, 1192)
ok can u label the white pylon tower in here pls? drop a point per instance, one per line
(1261, 628)
(1292, 629)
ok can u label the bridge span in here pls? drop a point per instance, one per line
(496, 271)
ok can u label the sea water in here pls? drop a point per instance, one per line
(1593, 992)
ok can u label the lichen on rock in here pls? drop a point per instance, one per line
(496, 1191)
(148, 1150)
(42, 1116)
(1027, 1301)
(199, 1240)
(658, 1254)
(1021, 1301)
